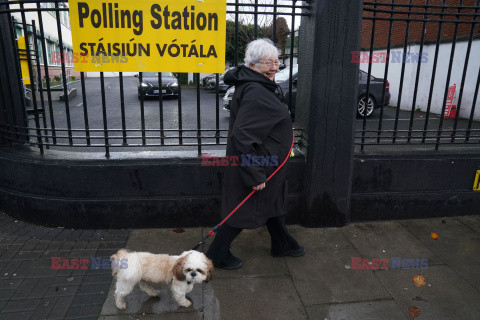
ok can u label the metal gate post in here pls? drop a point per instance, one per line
(12, 107)
(326, 98)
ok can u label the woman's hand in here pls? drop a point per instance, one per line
(259, 187)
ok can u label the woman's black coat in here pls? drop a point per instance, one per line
(260, 125)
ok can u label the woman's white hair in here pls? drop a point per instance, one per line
(258, 49)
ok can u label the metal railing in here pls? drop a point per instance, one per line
(97, 124)
(421, 112)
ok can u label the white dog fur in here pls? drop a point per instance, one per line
(179, 272)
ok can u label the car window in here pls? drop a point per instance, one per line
(363, 75)
(155, 74)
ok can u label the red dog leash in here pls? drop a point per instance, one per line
(212, 232)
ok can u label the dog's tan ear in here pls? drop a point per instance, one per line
(209, 270)
(178, 269)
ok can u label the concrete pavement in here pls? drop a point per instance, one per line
(332, 281)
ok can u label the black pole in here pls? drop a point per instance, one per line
(326, 98)
(13, 117)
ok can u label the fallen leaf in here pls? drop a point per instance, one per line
(178, 230)
(419, 280)
(434, 235)
(414, 311)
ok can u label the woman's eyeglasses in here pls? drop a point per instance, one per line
(270, 63)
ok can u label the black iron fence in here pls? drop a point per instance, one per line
(419, 88)
(104, 115)
(424, 57)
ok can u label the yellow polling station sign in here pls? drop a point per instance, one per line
(149, 35)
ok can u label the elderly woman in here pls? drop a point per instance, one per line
(260, 127)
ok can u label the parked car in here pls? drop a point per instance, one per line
(206, 79)
(211, 82)
(149, 85)
(375, 92)
(282, 78)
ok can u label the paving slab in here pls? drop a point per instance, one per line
(445, 296)
(320, 238)
(458, 245)
(471, 221)
(168, 316)
(16, 315)
(373, 310)
(44, 308)
(446, 228)
(253, 298)
(139, 303)
(387, 239)
(163, 240)
(326, 277)
(32, 289)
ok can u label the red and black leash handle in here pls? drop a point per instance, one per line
(212, 232)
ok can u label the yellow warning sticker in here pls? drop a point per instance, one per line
(476, 183)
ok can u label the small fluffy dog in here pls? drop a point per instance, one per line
(179, 272)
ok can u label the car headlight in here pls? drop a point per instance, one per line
(144, 85)
(175, 84)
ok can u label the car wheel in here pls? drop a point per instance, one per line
(363, 105)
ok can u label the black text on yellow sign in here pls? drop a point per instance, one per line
(151, 35)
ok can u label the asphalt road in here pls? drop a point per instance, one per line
(188, 112)
(133, 119)
(410, 132)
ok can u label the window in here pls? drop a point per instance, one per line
(69, 61)
(40, 52)
(64, 15)
(52, 53)
(19, 31)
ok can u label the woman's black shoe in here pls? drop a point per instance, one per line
(300, 251)
(226, 260)
(232, 264)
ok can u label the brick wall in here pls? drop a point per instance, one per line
(57, 70)
(416, 27)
